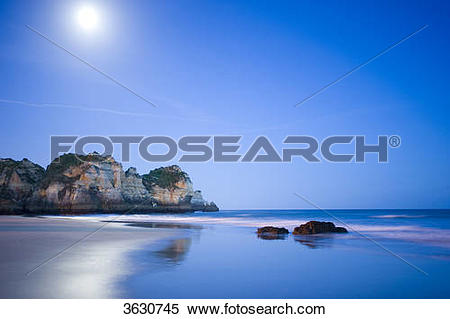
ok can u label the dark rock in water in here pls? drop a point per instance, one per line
(315, 227)
(272, 236)
(270, 232)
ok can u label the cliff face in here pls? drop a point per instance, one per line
(133, 190)
(78, 184)
(169, 185)
(18, 179)
(95, 184)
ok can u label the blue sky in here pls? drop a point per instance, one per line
(237, 67)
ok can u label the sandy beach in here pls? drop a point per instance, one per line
(89, 269)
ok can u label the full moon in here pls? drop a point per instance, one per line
(87, 18)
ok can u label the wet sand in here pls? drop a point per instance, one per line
(89, 269)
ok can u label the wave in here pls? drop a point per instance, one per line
(398, 216)
(208, 220)
(235, 221)
(416, 234)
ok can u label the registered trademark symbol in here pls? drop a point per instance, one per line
(394, 141)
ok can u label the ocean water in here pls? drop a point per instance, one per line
(386, 254)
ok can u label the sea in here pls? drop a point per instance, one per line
(385, 254)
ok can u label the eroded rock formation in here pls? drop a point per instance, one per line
(18, 179)
(271, 232)
(315, 227)
(94, 184)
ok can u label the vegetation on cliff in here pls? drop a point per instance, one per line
(164, 177)
(94, 183)
(62, 163)
(55, 170)
(27, 170)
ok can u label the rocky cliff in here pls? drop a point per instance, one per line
(93, 183)
(18, 179)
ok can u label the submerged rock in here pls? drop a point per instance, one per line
(315, 227)
(270, 232)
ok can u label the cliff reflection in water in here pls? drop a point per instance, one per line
(171, 252)
(159, 225)
(176, 251)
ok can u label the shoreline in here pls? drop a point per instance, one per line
(219, 255)
(90, 269)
